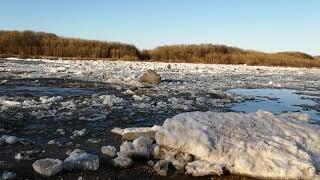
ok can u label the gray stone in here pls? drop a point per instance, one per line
(150, 77)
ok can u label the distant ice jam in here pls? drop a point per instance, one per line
(257, 144)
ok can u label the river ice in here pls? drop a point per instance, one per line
(45, 100)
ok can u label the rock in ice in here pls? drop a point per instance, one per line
(257, 144)
(47, 167)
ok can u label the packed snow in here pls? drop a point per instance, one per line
(257, 144)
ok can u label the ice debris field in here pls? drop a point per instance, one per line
(90, 119)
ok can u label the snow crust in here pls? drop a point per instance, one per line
(257, 144)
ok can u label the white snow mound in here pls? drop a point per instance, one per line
(257, 144)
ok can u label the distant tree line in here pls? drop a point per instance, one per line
(220, 54)
(29, 43)
(40, 44)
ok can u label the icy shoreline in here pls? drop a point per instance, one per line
(126, 72)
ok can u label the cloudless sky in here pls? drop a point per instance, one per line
(266, 25)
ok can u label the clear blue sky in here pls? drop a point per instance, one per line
(266, 25)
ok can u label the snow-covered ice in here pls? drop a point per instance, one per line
(257, 144)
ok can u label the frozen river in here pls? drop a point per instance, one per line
(38, 97)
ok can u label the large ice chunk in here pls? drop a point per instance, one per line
(47, 167)
(79, 159)
(257, 144)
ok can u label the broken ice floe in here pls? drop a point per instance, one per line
(6, 175)
(109, 151)
(256, 144)
(8, 139)
(79, 133)
(47, 167)
(79, 159)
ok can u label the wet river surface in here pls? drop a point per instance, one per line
(37, 118)
(34, 108)
(277, 101)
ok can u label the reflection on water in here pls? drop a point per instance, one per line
(275, 101)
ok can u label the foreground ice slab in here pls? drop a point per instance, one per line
(256, 144)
